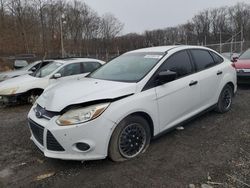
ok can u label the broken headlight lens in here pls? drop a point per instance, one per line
(81, 115)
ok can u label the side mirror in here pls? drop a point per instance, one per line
(235, 59)
(33, 69)
(57, 75)
(18, 64)
(166, 76)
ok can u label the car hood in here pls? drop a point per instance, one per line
(17, 81)
(242, 64)
(80, 91)
(11, 74)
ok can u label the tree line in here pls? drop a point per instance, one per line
(34, 26)
(38, 26)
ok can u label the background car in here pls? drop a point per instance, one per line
(29, 87)
(242, 65)
(35, 66)
(115, 110)
(18, 64)
(230, 56)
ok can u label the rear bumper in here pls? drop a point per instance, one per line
(243, 78)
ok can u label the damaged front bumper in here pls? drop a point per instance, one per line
(10, 99)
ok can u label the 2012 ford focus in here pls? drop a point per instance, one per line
(119, 108)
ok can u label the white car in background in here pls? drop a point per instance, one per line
(116, 110)
(29, 87)
(35, 66)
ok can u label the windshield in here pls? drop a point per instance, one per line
(131, 67)
(47, 70)
(245, 55)
(28, 67)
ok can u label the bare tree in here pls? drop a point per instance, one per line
(240, 17)
(2, 12)
(202, 24)
(110, 26)
(40, 5)
(17, 8)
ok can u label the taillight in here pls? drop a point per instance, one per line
(233, 65)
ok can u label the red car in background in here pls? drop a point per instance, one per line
(242, 66)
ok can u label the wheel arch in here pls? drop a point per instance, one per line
(147, 118)
(38, 91)
(142, 114)
(231, 85)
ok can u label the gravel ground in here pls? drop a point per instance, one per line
(213, 149)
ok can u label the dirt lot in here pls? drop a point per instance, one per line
(214, 148)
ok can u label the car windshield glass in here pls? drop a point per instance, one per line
(130, 67)
(28, 67)
(245, 55)
(47, 70)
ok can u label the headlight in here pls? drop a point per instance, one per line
(8, 91)
(81, 115)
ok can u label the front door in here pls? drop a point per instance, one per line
(178, 99)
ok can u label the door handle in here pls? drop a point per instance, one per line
(219, 73)
(192, 83)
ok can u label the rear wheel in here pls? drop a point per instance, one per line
(130, 138)
(225, 100)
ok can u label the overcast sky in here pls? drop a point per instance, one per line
(141, 15)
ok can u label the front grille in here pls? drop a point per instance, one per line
(52, 143)
(37, 131)
(43, 113)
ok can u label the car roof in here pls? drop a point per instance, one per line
(76, 60)
(164, 49)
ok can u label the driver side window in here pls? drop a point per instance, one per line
(70, 70)
(179, 63)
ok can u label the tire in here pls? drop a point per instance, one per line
(32, 98)
(130, 138)
(225, 100)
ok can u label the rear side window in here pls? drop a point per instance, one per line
(203, 59)
(90, 66)
(71, 69)
(217, 58)
(179, 63)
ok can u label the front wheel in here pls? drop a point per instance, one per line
(225, 100)
(32, 98)
(130, 138)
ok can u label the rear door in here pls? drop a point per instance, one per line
(210, 72)
(179, 99)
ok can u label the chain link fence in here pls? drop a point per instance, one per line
(230, 47)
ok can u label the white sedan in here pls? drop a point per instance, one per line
(29, 87)
(35, 66)
(116, 110)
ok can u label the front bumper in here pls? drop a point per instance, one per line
(60, 141)
(7, 99)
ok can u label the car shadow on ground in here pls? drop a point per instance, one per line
(244, 86)
(13, 106)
